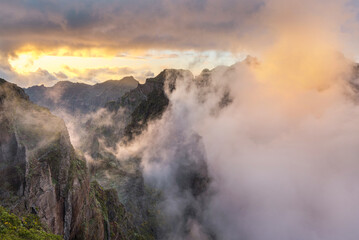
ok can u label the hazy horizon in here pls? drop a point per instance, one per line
(92, 41)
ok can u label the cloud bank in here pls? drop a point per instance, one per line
(160, 24)
(279, 135)
(280, 168)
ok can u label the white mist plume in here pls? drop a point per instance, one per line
(282, 167)
(282, 156)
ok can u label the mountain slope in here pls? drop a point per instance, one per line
(118, 124)
(41, 173)
(146, 102)
(28, 227)
(80, 97)
(135, 111)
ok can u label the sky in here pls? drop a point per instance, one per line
(45, 41)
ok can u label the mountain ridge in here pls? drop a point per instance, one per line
(80, 97)
(41, 173)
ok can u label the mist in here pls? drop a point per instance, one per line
(282, 161)
(281, 152)
(263, 149)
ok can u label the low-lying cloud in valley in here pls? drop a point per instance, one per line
(279, 169)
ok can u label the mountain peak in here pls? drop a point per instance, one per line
(80, 97)
(63, 83)
(129, 81)
(170, 74)
(11, 90)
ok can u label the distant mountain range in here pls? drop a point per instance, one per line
(80, 97)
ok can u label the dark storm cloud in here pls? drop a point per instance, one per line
(123, 24)
(114, 27)
(81, 19)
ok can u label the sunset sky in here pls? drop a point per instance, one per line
(45, 41)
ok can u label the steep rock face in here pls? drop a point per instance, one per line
(165, 80)
(41, 173)
(12, 152)
(135, 110)
(37, 153)
(79, 97)
(144, 103)
(127, 118)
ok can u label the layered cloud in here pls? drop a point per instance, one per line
(159, 24)
(163, 24)
(116, 27)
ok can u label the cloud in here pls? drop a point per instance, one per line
(33, 78)
(280, 167)
(159, 24)
(91, 73)
(87, 75)
(92, 28)
(94, 75)
(282, 153)
(61, 75)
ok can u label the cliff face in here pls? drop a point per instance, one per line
(142, 104)
(135, 110)
(41, 173)
(36, 157)
(80, 97)
(93, 210)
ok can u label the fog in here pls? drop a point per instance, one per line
(276, 160)
(282, 161)
(266, 148)
(281, 153)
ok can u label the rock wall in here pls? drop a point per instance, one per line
(41, 173)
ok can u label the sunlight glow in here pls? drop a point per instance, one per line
(77, 63)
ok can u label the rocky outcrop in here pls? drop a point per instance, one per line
(164, 81)
(134, 111)
(132, 211)
(146, 102)
(41, 173)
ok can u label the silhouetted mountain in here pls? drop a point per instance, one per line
(80, 97)
(148, 100)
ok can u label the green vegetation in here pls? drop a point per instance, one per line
(98, 194)
(29, 228)
(52, 155)
(78, 169)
